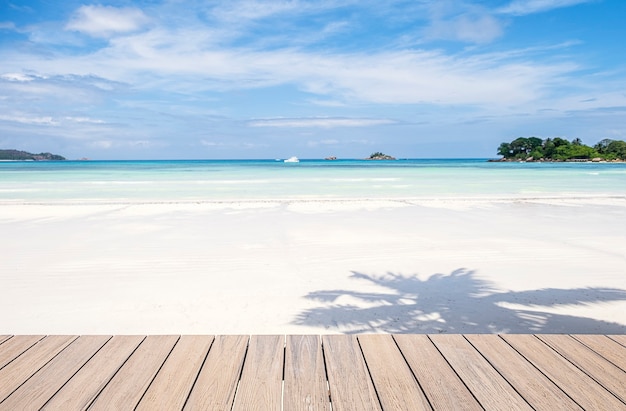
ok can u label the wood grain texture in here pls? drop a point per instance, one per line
(172, 385)
(536, 388)
(485, 383)
(305, 377)
(86, 384)
(575, 383)
(14, 347)
(443, 387)
(606, 347)
(260, 387)
(606, 373)
(23, 367)
(132, 380)
(393, 380)
(620, 339)
(35, 392)
(217, 382)
(338, 372)
(350, 385)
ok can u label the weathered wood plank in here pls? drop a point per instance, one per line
(17, 345)
(621, 339)
(86, 384)
(606, 347)
(35, 392)
(443, 388)
(260, 387)
(27, 364)
(393, 380)
(132, 380)
(578, 385)
(539, 391)
(172, 385)
(485, 383)
(606, 373)
(350, 385)
(218, 378)
(305, 377)
(364, 372)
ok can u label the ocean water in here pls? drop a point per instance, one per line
(247, 180)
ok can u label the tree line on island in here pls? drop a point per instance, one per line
(560, 149)
(18, 155)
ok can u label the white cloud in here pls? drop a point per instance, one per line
(84, 120)
(17, 77)
(254, 9)
(7, 25)
(155, 62)
(523, 7)
(25, 119)
(202, 60)
(104, 21)
(319, 122)
(476, 26)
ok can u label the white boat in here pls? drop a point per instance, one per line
(292, 160)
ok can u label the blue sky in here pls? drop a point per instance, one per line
(170, 79)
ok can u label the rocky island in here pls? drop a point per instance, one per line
(18, 155)
(380, 156)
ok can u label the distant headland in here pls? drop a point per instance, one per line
(18, 155)
(559, 149)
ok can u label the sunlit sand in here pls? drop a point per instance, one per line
(421, 266)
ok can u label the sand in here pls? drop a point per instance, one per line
(418, 266)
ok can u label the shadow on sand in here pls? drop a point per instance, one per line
(460, 302)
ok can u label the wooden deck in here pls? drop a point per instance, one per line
(338, 372)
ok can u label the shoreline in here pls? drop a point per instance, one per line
(496, 198)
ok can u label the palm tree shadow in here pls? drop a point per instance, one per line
(460, 302)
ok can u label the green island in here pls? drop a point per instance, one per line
(560, 149)
(17, 155)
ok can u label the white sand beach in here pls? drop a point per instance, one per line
(453, 266)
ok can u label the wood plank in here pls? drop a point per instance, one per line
(132, 380)
(350, 385)
(217, 382)
(27, 364)
(35, 392)
(260, 387)
(3, 338)
(86, 384)
(365, 372)
(536, 388)
(442, 386)
(620, 339)
(606, 347)
(173, 383)
(16, 346)
(576, 384)
(393, 380)
(606, 373)
(485, 383)
(305, 378)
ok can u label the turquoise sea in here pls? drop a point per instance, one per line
(235, 180)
